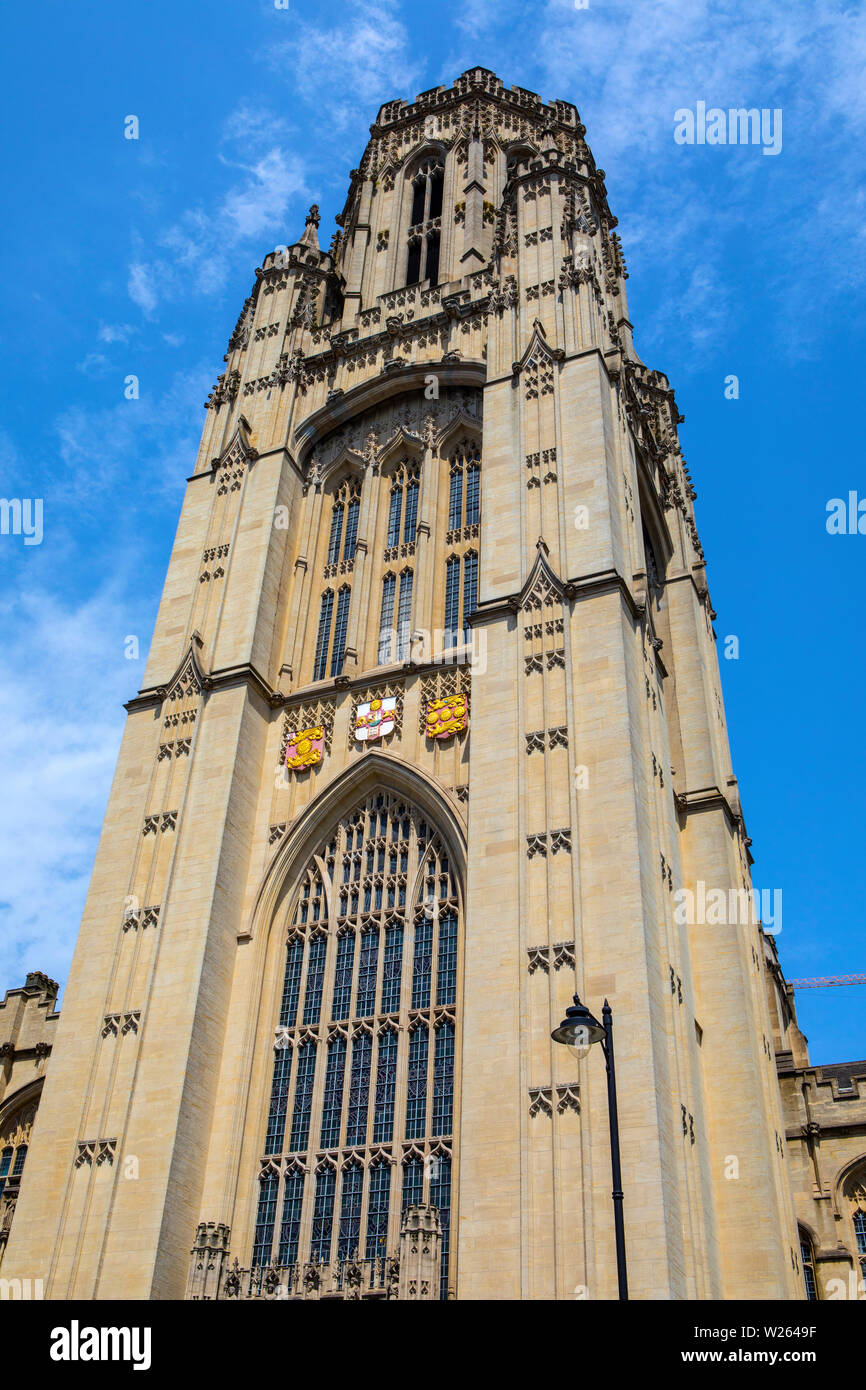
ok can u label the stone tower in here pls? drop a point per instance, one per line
(431, 732)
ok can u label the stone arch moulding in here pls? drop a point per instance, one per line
(462, 424)
(844, 1173)
(26, 1095)
(340, 411)
(374, 770)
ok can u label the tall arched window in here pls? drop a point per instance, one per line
(464, 492)
(402, 509)
(425, 227)
(807, 1260)
(395, 618)
(860, 1238)
(461, 597)
(331, 634)
(343, 535)
(362, 1099)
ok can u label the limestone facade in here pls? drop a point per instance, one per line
(430, 735)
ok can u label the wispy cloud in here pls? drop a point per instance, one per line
(59, 752)
(195, 253)
(370, 54)
(97, 445)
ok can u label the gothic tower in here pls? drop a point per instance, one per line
(430, 733)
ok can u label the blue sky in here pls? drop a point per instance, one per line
(134, 257)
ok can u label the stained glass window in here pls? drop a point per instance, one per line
(323, 1215)
(386, 1082)
(443, 1080)
(416, 1095)
(377, 1212)
(290, 1226)
(303, 1096)
(350, 1212)
(332, 1105)
(382, 874)
(359, 1089)
(269, 1185)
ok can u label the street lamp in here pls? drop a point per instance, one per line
(578, 1030)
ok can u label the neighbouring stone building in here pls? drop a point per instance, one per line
(430, 735)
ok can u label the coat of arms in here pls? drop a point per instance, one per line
(448, 716)
(376, 718)
(305, 749)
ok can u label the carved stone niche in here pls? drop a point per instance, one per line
(420, 1254)
(208, 1261)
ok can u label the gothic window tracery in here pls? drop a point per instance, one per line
(368, 1007)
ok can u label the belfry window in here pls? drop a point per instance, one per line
(370, 1092)
(422, 260)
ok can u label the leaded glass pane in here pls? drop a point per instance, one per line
(455, 499)
(392, 970)
(351, 540)
(413, 1183)
(323, 1216)
(279, 1101)
(440, 1196)
(443, 1080)
(290, 1227)
(359, 1090)
(377, 1212)
(421, 963)
(386, 1081)
(265, 1218)
(292, 981)
(323, 637)
(366, 1001)
(350, 1213)
(332, 1106)
(315, 977)
(303, 1096)
(416, 1093)
(340, 626)
(446, 976)
(386, 620)
(336, 533)
(343, 977)
(452, 601)
(410, 519)
(394, 516)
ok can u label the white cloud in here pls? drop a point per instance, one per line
(351, 69)
(115, 332)
(96, 446)
(62, 684)
(195, 251)
(142, 287)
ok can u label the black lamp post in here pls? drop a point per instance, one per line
(578, 1030)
